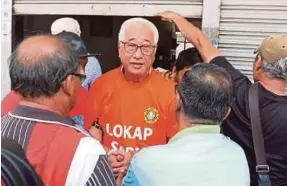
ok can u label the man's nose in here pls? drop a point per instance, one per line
(138, 53)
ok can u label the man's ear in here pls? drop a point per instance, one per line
(178, 104)
(174, 70)
(228, 112)
(258, 65)
(67, 85)
(119, 50)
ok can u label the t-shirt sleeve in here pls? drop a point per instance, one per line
(236, 75)
(93, 105)
(240, 81)
(172, 124)
(90, 165)
(241, 85)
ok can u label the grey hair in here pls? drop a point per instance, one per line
(276, 70)
(135, 21)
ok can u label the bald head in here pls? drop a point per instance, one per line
(33, 50)
(39, 64)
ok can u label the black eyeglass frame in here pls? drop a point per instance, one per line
(139, 46)
(81, 76)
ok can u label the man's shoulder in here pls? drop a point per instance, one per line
(158, 78)
(218, 59)
(10, 101)
(147, 156)
(162, 85)
(77, 139)
(109, 76)
(106, 82)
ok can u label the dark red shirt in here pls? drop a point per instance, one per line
(13, 98)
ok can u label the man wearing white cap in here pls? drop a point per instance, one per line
(93, 69)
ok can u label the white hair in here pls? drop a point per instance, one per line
(134, 22)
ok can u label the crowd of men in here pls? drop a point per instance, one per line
(136, 126)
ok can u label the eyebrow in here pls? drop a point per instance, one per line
(146, 40)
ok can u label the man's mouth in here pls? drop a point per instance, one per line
(137, 65)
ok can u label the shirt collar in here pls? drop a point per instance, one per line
(40, 114)
(202, 129)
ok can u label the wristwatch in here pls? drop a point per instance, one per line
(96, 125)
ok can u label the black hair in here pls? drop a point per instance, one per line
(206, 92)
(187, 58)
(42, 75)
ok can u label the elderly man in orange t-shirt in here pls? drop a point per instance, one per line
(132, 106)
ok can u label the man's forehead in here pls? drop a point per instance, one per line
(142, 34)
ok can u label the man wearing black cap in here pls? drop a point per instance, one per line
(78, 45)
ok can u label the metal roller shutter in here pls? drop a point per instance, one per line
(243, 26)
(188, 8)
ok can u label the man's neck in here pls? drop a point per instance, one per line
(184, 122)
(46, 104)
(275, 86)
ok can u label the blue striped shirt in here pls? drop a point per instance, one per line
(93, 71)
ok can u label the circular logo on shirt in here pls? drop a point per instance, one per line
(151, 115)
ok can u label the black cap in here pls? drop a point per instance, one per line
(76, 42)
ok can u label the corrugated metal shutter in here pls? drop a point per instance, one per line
(107, 1)
(243, 26)
(188, 8)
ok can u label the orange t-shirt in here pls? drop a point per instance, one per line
(133, 115)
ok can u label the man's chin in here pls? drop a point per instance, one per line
(136, 71)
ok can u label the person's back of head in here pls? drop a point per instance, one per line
(185, 60)
(65, 24)
(271, 61)
(41, 66)
(205, 93)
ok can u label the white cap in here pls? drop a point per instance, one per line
(65, 24)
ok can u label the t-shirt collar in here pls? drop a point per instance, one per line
(202, 129)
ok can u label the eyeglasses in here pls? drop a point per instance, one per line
(82, 77)
(132, 48)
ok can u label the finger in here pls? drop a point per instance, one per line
(158, 14)
(164, 18)
(118, 164)
(117, 170)
(120, 157)
(120, 178)
(113, 153)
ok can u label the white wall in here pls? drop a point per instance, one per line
(6, 43)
